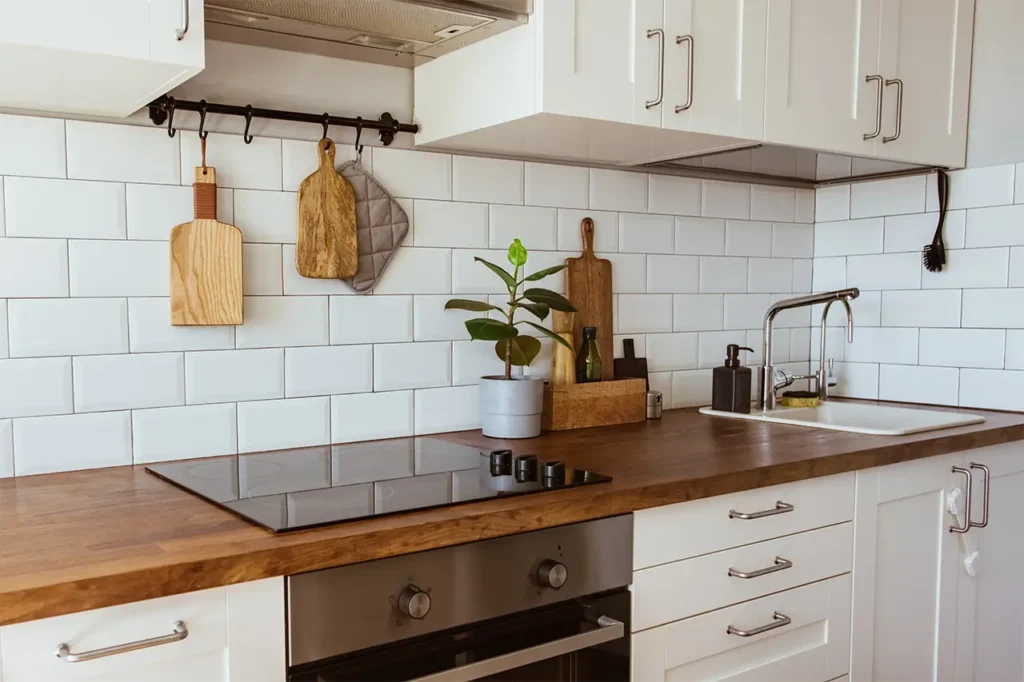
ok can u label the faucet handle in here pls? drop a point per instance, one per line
(783, 378)
(831, 381)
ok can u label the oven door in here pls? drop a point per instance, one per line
(585, 639)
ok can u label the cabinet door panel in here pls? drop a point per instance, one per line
(109, 27)
(818, 54)
(167, 17)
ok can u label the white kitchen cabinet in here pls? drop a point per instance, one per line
(102, 57)
(234, 634)
(990, 616)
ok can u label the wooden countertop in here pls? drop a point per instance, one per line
(83, 540)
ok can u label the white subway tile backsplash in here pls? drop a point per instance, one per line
(896, 346)
(154, 210)
(41, 207)
(447, 409)
(371, 319)
(645, 233)
(431, 322)
(371, 415)
(32, 146)
(150, 330)
(912, 232)
(268, 217)
(882, 272)
(227, 376)
(670, 275)
(829, 274)
(301, 158)
(272, 321)
(982, 348)
(723, 275)
(449, 223)
(474, 359)
(639, 345)
(971, 269)
(614, 190)
(557, 186)
(673, 195)
(856, 380)
(700, 236)
(1014, 349)
(44, 445)
(277, 424)
(993, 308)
(725, 200)
(849, 237)
(804, 206)
(644, 313)
(536, 227)
(472, 277)
(261, 264)
(31, 387)
(667, 352)
(792, 240)
(120, 382)
(777, 204)
(973, 187)
(6, 448)
(400, 366)
(417, 271)
(748, 238)
(295, 284)
(413, 174)
(629, 274)
(888, 197)
(835, 344)
(691, 388)
(4, 348)
(1018, 184)
(108, 151)
(799, 344)
(992, 389)
(908, 383)
(239, 165)
(832, 203)
(995, 226)
(1017, 266)
(66, 326)
(118, 268)
(33, 268)
(327, 370)
(170, 433)
(698, 312)
(920, 308)
(497, 181)
(711, 351)
(606, 230)
(803, 276)
(770, 275)
(745, 311)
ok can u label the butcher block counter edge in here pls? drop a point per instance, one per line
(83, 540)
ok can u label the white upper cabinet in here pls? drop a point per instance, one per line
(925, 51)
(102, 57)
(721, 89)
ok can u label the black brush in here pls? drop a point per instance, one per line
(934, 254)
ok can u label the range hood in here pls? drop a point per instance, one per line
(394, 32)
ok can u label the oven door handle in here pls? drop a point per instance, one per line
(608, 629)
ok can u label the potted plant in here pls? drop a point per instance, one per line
(511, 406)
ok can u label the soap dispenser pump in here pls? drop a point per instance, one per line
(730, 391)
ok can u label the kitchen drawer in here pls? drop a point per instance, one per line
(686, 588)
(814, 646)
(688, 529)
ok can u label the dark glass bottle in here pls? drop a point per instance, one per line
(588, 360)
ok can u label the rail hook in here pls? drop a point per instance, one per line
(326, 124)
(248, 121)
(169, 107)
(359, 133)
(202, 120)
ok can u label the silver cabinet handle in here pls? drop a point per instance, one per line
(780, 508)
(878, 108)
(661, 66)
(778, 620)
(689, 72)
(180, 633)
(179, 33)
(899, 109)
(780, 565)
(984, 509)
(967, 501)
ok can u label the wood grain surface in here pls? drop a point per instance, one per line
(588, 284)
(596, 403)
(563, 360)
(83, 540)
(326, 246)
(206, 262)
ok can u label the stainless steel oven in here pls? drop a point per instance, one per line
(548, 605)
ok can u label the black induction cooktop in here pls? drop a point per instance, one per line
(292, 489)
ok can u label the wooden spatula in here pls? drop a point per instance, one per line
(206, 262)
(588, 284)
(326, 246)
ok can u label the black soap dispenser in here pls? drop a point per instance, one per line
(730, 391)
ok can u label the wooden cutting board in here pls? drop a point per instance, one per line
(588, 284)
(206, 262)
(326, 246)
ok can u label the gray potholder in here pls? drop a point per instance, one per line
(381, 225)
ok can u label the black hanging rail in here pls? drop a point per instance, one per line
(162, 110)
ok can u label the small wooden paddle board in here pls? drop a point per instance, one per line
(588, 284)
(326, 246)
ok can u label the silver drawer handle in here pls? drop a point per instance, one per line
(689, 72)
(779, 620)
(661, 67)
(780, 508)
(878, 107)
(179, 33)
(899, 109)
(967, 501)
(984, 509)
(780, 565)
(180, 633)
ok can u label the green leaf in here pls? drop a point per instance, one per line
(540, 310)
(517, 253)
(553, 300)
(524, 350)
(553, 335)
(541, 274)
(467, 304)
(486, 329)
(509, 280)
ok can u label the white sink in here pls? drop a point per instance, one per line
(877, 420)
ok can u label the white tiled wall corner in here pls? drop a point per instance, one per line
(184, 432)
(450, 223)
(673, 195)
(118, 268)
(32, 146)
(829, 274)
(614, 190)
(748, 238)
(244, 166)
(6, 448)
(777, 204)
(536, 227)
(770, 275)
(700, 236)
(227, 376)
(803, 276)
(35, 386)
(832, 203)
(277, 424)
(792, 240)
(327, 370)
(400, 366)
(45, 445)
(446, 409)
(371, 416)
(557, 186)
(120, 382)
(495, 181)
(107, 151)
(804, 206)
(33, 268)
(67, 326)
(42, 207)
(150, 331)
(725, 200)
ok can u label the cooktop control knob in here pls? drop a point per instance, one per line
(552, 574)
(526, 468)
(414, 602)
(554, 469)
(501, 462)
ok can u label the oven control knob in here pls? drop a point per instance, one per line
(552, 574)
(414, 602)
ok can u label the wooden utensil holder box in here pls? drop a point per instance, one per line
(600, 403)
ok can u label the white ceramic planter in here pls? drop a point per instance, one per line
(511, 408)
